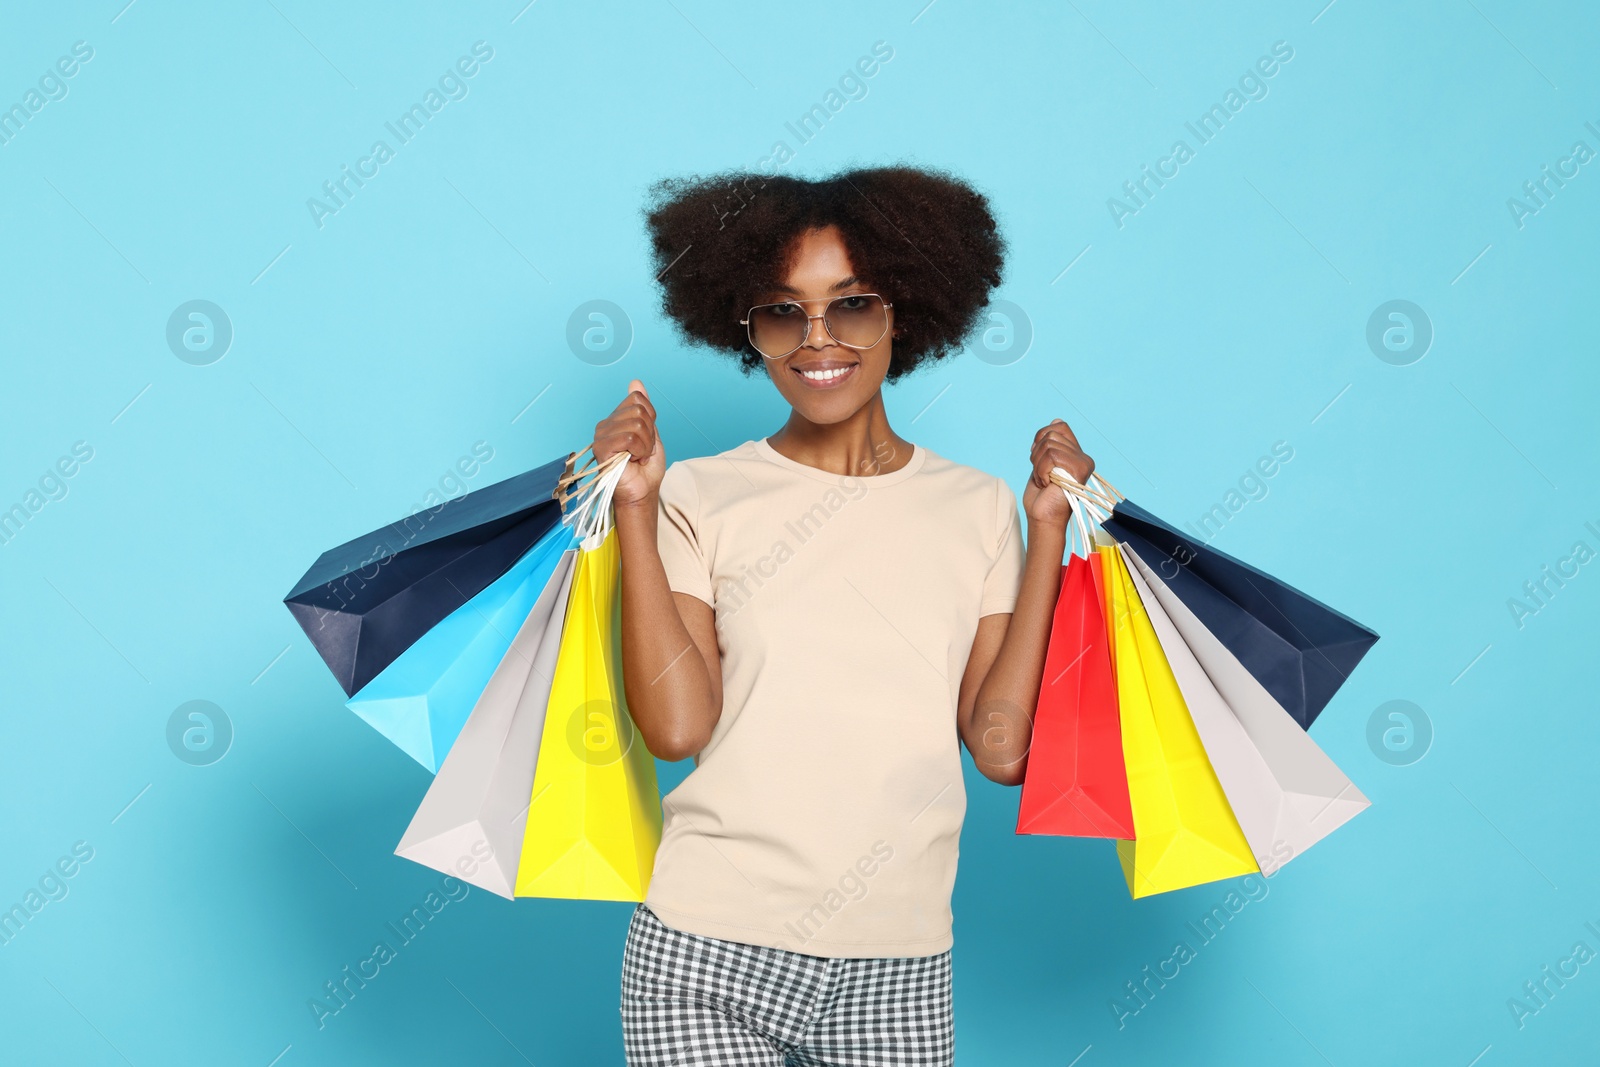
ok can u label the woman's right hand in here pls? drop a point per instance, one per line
(631, 428)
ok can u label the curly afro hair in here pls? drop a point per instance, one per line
(922, 238)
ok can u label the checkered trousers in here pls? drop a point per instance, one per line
(693, 1001)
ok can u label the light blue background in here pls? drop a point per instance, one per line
(370, 354)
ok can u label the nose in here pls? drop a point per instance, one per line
(817, 335)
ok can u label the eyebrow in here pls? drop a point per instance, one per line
(834, 288)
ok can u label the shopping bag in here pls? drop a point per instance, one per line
(1298, 648)
(470, 823)
(1185, 832)
(594, 815)
(422, 699)
(367, 601)
(1306, 796)
(1252, 793)
(1076, 784)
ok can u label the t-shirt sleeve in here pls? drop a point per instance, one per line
(678, 535)
(1004, 579)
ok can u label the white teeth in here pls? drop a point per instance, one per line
(823, 375)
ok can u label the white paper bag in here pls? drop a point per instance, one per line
(1289, 795)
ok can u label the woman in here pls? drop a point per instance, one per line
(821, 618)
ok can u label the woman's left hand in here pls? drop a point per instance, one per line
(1054, 446)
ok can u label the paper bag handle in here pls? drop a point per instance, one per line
(1093, 503)
(591, 519)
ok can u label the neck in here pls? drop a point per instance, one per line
(863, 444)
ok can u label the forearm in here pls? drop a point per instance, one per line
(665, 678)
(1001, 728)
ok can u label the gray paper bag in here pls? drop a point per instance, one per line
(470, 824)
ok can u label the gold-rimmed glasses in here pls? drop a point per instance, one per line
(855, 320)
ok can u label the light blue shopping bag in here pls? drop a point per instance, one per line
(422, 699)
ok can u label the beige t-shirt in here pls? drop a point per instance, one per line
(824, 815)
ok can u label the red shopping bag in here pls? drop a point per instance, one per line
(1076, 783)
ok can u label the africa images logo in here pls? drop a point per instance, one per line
(337, 192)
(1252, 85)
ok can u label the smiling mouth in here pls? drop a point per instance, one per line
(826, 378)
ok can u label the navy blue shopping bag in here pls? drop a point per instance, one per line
(1298, 648)
(370, 599)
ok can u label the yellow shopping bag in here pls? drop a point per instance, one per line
(594, 820)
(1184, 829)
